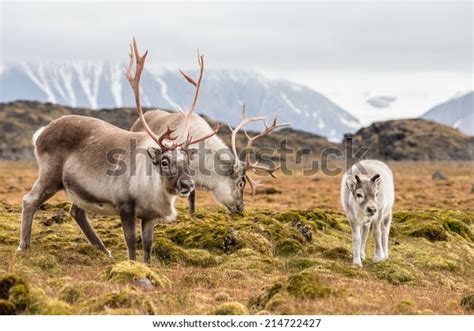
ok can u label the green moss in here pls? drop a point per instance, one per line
(199, 258)
(127, 271)
(321, 219)
(166, 251)
(467, 302)
(7, 307)
(20, 296)
(70, 293)
(287, 247)
(394, 272)
(337, 253)
(307, 285)
(430, 231)
(230, 308)
(202, 235)
(260, 301)
(249, 260)
(301, 263)
(14, 289)
(276, 302)
(125, 299)
(435, 224)
(254, 240)
(42, 304)
(7, 281)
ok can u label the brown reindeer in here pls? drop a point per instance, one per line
(73, 154)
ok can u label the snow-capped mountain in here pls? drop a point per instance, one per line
(103, 85)
(457, 112)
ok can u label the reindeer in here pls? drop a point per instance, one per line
(367, 197)
(223, 173)
(73, 155)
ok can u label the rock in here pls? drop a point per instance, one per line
(438, 175)
(143, 283)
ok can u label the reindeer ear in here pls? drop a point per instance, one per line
(377, 180)
(351, 182)
(154, 154)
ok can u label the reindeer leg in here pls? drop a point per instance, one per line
(40, 192)
(386, 234)
(80, 216)
(365, 234)
(356, 243)
(127, 215)
(192, 202)
(379, 254)
(147, 238)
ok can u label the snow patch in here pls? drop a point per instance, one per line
(458, 122)
(290, 104)
(164, 93)
(350, 122)
(89, 77)
(116, 84)
(40, 80)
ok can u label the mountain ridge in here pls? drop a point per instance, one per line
(102, 85)
(457, 112)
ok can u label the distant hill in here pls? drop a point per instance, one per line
(457, 112)
(97, 85)
(414, 139)
(19, 120)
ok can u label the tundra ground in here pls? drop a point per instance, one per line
(289, 254)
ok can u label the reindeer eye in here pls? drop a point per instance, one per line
(164, 163)
(241, 184)
(359, 195)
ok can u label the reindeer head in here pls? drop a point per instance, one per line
(364, 189)
(173, 166)
(171, 159)
(230, 190)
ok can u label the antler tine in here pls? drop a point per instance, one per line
(187, 116)
(268, 130)
(135, 84)
(253, 184)
(246, 120)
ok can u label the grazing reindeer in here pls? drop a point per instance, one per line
(367, 196)
(73, 154)
(225, 174)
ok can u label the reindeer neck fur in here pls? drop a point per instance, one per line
(146, 187)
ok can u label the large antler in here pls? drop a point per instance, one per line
(135, 83)
(187, 116)
(268, 130)
(248, 164)
(246, 120)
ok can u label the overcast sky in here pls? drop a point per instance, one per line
(419, 53)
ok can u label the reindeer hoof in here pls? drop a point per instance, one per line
(22, 248)
(379, 258)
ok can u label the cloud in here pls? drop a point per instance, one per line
(278, 37)
(381, 101)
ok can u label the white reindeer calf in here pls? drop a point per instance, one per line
(367, 196)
